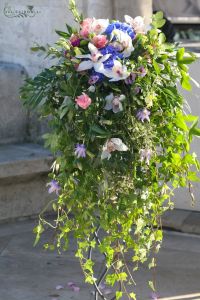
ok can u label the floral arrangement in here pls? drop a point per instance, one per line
(121, 138)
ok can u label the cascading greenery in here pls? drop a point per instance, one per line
(121, 140)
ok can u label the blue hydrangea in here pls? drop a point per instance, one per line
(109, 63)
(121, 26)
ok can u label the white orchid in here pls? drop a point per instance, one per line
(118, 71)
(114, 103)
(94, 60)
(114, 144)
(122, 41)
(98, 26)
(137, 23)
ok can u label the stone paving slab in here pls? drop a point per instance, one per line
(28, 273)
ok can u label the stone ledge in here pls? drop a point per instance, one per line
(182, 220)
(23, 179)
(23, 160)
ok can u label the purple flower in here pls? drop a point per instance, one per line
(143, 71)
(75, 40)
(53, 187)
(95, 77)
(154, 296)
(80, 150)
(137, 90)
(73, 287)
(143, 114)
(130, 79)
(145, 155)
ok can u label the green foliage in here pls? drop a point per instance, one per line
(126, 195)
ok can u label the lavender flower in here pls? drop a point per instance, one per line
(143, 114)
(145, 155)
(80, 150)
(114, 103)
(154, 296)
(143, 72)
(130, 79)
(93, 79)
(53, 187)
(137, 90)
(73, 286)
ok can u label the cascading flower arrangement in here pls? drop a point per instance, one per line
(121, 140)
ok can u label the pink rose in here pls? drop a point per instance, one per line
(99, 41)
(86, 27)
(83, 101)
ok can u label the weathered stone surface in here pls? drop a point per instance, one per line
(133, 8)
(13, 117)
(182, 197)
(192, 223)
(175, 218)
(23, 160)
(23, 178)
(30, 273)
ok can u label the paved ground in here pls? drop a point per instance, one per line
(28, 273)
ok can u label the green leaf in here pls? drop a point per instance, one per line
(187, 60)
(156, 67)
(97, 129)
(38, 230)
(118, 294)
(63, 112)
(194, 130)
(180, 53)
(185, 81)
(132, 295)
(62, 33)
(191, 118)
(161, 38)
(38, 48)
(111, 279)
(151, 284)
(157, 20)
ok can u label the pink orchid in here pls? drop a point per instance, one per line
(99, 41)
(92, 25)
(83, 101)
(85, 27)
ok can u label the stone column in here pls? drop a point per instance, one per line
(100, 9)
(133, 8)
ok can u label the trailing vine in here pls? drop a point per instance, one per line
(121, 140)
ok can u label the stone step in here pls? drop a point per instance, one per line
(23, 177)
(186, 221)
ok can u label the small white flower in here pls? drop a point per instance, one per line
(118, 71)
(92, 89)
(137, 23)
(114, 103)
(95, 59)
(145, 155)
(114, 144)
